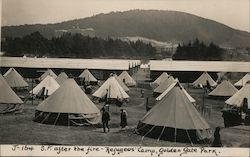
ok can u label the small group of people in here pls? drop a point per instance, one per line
(106, 118)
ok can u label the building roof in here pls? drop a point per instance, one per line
(69, 63)
(210, 66)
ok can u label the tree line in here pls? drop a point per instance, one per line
(75, 46)
(197, 50)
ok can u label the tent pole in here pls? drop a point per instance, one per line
(68, 121)
(148, 132)
(32, 92)
(161, 134)
(57, 118)
(175, 135)
(45, 118)
(189, 138)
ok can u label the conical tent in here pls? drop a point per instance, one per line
(112, 89)
(68, 100)
(202, 80)
(87, 76)
(61, 78)
(161, 78)
(127, 79)
(49, 84)
(224, 89)
(8, 96)
(15, 80)
(237, 98)
(9, 70)
(164, 85)
(243, 81)
(174, 118)
(190, 98)
(46, 73)
(125, 88)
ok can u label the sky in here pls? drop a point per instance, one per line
(234, 13)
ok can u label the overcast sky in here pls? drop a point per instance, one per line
(234, 13)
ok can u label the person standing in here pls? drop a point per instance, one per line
(105, 120)
(217, 140)
(124, 115)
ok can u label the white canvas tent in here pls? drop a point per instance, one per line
(243, 80)
(46, 73)
(9, 101)
(174, 118)
(237, 98)
(14, 79)
(61, 78)
(128, 80)
(190, 98)
(202, 80)
(65, 103)
(125, 88)
(224, 89)
(8, 96)
(164, 85)
(87, 76)
(49, 84)
(161, 78)
(112, 89)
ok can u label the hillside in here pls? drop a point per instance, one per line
(163, 26)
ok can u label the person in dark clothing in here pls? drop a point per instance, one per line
(217, 140)
(208, 86)
(124, 114)
(105, 120)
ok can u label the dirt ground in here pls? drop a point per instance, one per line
(20, 129)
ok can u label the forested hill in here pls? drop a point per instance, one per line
(158, 25)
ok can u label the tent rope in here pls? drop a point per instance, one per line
(57, 118)
(45, 118)
(161, 134)
(147, 133)
(189, 138)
